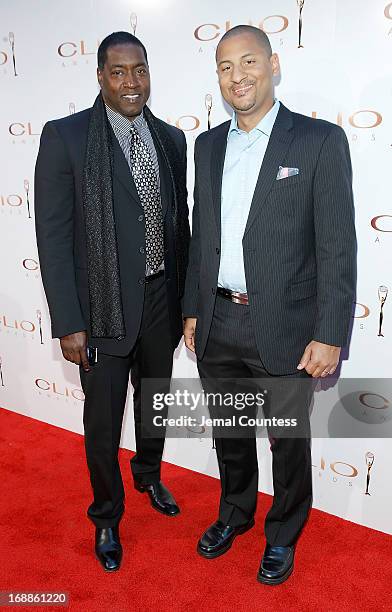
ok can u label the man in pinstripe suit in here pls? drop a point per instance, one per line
(271, 279)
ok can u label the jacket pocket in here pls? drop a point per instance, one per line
(304, 289)
(289, 182)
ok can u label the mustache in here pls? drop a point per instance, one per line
(243, 84)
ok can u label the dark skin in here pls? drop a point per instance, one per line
(125, 80)
(125, 87)
(74, 347)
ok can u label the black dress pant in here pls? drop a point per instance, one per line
(105, 388)
(231, 353)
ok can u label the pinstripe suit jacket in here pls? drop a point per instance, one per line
(299, 243)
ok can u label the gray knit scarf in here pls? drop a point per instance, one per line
(106, 312)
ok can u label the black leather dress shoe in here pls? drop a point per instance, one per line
(108, 548)
(276, 565)
(160, 497)
(219, 537)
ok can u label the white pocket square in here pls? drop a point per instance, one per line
(286, 173)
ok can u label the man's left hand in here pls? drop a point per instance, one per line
(319, 359)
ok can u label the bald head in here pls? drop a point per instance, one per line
(246, 68)
(260, 37)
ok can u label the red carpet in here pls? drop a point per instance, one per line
(47, 542)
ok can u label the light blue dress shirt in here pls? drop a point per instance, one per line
(244, 155)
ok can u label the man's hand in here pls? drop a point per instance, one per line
(73, 347)
(319, 359)
(189, 333)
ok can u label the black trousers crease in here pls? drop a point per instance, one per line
(231, 353)
(105, 388)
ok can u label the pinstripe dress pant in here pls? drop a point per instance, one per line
(231, 353)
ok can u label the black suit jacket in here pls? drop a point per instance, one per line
(61, 234)
(299, 243)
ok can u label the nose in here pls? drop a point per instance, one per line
(130, 81)
(238, 74)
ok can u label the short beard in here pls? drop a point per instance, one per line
(247, 108)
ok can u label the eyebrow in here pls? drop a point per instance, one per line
(124, 65)
(242, 57)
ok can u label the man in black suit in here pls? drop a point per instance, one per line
(113, 235)
(270, 283)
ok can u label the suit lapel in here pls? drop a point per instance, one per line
(122, 171)
(279, 142)
(218, 152)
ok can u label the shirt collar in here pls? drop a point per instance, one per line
(265, 124)
(121, 123)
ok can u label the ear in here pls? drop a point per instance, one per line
(99, 76)
(275, 64)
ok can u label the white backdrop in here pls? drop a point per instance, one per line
(342, 74)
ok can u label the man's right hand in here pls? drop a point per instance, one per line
(74, 347)
(189, 333)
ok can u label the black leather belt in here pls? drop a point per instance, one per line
(233, 296)
(152, 277)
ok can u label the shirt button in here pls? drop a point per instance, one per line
(141, 250)
(140, 218)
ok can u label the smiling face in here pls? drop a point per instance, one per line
(245, 75)
(125, 79)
